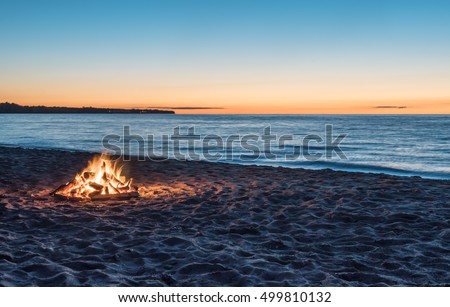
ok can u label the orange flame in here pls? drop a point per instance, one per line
(100, 179)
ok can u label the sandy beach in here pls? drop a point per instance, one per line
(212, 224)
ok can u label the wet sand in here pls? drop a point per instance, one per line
(212, 224)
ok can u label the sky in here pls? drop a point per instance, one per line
(228, 56)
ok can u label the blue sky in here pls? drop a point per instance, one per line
(224, 52)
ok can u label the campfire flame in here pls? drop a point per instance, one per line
(101, 179)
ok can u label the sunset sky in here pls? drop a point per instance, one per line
(245, 56)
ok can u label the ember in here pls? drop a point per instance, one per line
(100, 180)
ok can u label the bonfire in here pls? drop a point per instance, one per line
(100, 180)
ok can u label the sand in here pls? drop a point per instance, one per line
(212, 224)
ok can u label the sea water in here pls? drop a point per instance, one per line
(395, 144)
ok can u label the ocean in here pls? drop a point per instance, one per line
(405, 145)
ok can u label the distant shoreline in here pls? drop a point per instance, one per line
(13, 108)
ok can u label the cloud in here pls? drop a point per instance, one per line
(189, 108)
(390, 107)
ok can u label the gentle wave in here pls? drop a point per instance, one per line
(354, 167)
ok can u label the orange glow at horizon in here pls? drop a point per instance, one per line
(245, 98)
(316, 94)
(423, 106)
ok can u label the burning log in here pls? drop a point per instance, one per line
(100, 180)
(88, 175)
(96, 186)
